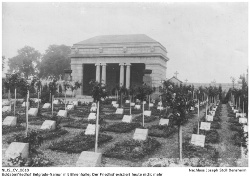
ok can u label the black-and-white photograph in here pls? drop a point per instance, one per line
(125, 84)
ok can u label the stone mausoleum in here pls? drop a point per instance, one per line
(127, 60)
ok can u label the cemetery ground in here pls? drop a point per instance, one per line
(227, 153)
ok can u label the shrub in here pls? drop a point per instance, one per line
(108, 101)
(161, 130)
(235, 127)
(77, 124)
(45, 97)
(146, 118)
(131, 149)
(157, 112)
(133, 111)
(34, 161)
(22, 118)
(79, 113)
(121, 127)
(113, 116)
(192, 151)
(79, 143)
(212, 136)
(33, 138)
(42, 134)
(12, 95)
(36, 122)
(231, 115)
(233, 120)
(215, 125)
(82, 124)
(238, 140)
(217, 119)
(107, 108)
(51, 134)
(9, 129)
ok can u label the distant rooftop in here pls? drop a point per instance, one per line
(116, 39)
(174, 78)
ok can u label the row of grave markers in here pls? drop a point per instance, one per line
(93, 159)
(199, 140)
(242, 117)
(86, 158)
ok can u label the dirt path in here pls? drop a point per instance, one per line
(228, 152)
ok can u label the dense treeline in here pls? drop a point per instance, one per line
(30, 62)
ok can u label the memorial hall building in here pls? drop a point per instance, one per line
(125, 60)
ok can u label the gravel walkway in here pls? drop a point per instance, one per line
(228, 152)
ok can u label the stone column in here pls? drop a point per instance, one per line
(128, 75)
(77, 75)
(97, 76)
(104, 73)
(121, 74)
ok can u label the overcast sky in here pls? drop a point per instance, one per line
(205, 41)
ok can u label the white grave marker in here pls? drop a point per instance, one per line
(113, 102)
(151, 104)
(147, 113)
(70, 107)
(92, 116)
(119, 111)
(37, 100)
(243, 120)
(89, 159)
(210, 118)
(127, 101)
(127, 118)
(17, 148)
(33, 111)
(28, 104)
(56, 101)
(237, 115)
(48, 124)
(116, 105)
(132, 104)
(10, 121)
(90, 130)
(192, 108)
(236, 111)
(75, 103)
(164, 121)
(46, 106)
(160, 108)
(62, 113)
(212, 113)
(6, 109)
(93, 109)
(245, 128)
(240, 115)
(198, 140)
(6, 103)
(205, 126)
(140, 134)
(137, 106)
